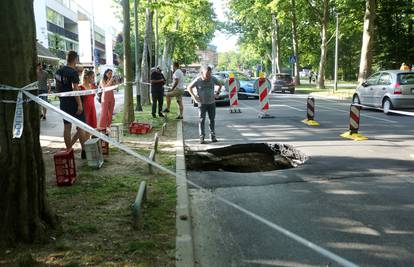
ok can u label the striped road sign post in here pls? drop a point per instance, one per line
(310, 112)
(310, 108)
(233, 85)
(354, 120)
(262, 85)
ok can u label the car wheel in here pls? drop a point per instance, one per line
(355, 100)
(292, 91)
(242, 96)
(387, 105)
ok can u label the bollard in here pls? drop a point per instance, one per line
(310, 112)
(65, 167)
(164, 127)
(94, 156)
(152, 158)
(139, 200)
(232, 85)
(354, 120)
(310, 108)
(156, 140)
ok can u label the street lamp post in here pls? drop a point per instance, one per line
(336, 53)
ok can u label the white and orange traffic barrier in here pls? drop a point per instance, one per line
(233, 86)
(310, 112)
(354, 120)
(262, 85)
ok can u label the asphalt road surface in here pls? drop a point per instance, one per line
(353, 198)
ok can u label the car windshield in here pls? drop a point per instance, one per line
(406, 78)
(243, 77)
(283, 77)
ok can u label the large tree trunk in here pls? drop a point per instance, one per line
(129, 114)
(275, 45)
(295, 42)
(146, 57)
(365, 63)
(324, 45)
(137, 58)
(24, 211)
(156, 43)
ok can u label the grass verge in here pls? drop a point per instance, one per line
(96, 214)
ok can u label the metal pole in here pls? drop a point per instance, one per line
(93, 39)
(137, 62)
(336, 53)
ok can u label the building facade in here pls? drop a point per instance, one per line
(63, 25)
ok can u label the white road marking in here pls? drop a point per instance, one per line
(345, 111)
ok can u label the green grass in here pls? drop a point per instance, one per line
(96, 214)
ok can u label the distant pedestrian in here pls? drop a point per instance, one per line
(404, 67)
(44, 87)
(107, 100)
(89, 100)
(157, 91)
(205, 98)
(67, 80)
(177, 90)
(310, 77)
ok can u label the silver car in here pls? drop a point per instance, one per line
(389, 89)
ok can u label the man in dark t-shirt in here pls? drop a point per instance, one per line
(67, 80)
(157, 91)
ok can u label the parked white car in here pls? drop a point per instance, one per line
(389, 89)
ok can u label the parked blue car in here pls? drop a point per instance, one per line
(246, 83)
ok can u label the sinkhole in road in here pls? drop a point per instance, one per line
(250, 157)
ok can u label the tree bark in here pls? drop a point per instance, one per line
(275, 45)
(24, 211)
(137, 59)
(146, 57)
(295, 42)
(156, 43)
(129, 114)
(324, 45)
(365, 63)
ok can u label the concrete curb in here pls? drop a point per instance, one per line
(184, 255)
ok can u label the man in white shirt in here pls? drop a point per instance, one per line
(177, 90)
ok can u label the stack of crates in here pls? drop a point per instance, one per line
(139, 128)
(65, 167)
(117, 132)
(105, 145)
(93, 149)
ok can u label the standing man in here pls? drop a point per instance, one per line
(157, 91)
(206, 100)
(67, 80)
(177, 90)
(44, 86)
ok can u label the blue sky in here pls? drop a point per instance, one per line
(224, 43)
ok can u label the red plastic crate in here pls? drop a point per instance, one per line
(105, 145)
(65, 167)
(139, 128)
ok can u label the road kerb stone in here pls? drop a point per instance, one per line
(184, 254)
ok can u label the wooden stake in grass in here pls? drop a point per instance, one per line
(164, 127)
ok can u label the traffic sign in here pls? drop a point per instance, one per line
(292, 59)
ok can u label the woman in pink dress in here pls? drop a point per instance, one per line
(107, 100)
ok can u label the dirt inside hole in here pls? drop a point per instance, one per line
(251, 157)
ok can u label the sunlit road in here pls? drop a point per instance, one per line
(353, 198)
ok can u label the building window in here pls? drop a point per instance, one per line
(56, 42)
(55, 18)
(99, 38)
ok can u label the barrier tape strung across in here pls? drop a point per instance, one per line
(406, 113)
(18, 117)
(126, 149)
(83, 92)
